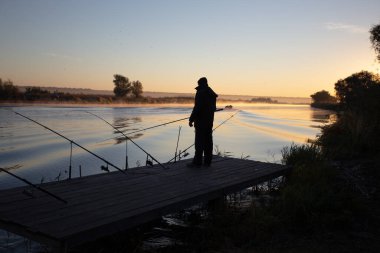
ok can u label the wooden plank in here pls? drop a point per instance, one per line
(81, 211)
(137, 189)
(160, 210)
(160, 199)
(80, 190)
(117, 201)
(140, 196)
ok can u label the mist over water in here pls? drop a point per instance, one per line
(33, 152)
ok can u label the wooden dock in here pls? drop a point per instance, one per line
(104, 204)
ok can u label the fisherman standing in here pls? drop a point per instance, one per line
(203, 117)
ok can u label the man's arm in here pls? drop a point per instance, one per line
(196, 109)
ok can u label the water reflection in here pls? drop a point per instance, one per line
(321, 116)
(121, 139)
(125, 125)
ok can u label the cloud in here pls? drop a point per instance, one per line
(65, 57)
(332, 26)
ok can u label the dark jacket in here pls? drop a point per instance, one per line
(204, 107)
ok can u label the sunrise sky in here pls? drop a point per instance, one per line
(264, 48)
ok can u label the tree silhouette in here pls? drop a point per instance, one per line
(359, 92)
(137, 88)
(122, 85)
(356, 131)
(323, 97)
(8, 90)
(375, 39)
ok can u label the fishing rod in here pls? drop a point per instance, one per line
(128, 138)
(183, 151)
(163, 124)
(117, 129)
(71, 141)
(35, 186)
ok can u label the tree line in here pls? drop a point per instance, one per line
(124, 91)
(356, 130)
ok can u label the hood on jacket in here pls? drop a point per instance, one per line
(206, 88)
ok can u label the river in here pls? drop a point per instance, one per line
(252, 131)
(256, 131)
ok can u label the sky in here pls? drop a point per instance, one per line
(290, 48)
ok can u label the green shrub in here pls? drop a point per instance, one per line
(302, 154)
(314, 197)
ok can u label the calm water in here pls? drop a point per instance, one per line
(32, 152)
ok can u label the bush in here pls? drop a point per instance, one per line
(302, 154)
(314, 197)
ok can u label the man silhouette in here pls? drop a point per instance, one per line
(203, 117)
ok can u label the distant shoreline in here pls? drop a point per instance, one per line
(64, 97)
(220, 104)
(158, 94)
(73, 104)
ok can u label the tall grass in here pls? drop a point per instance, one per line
(353, 135)
(314, 197)
(304, 154)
